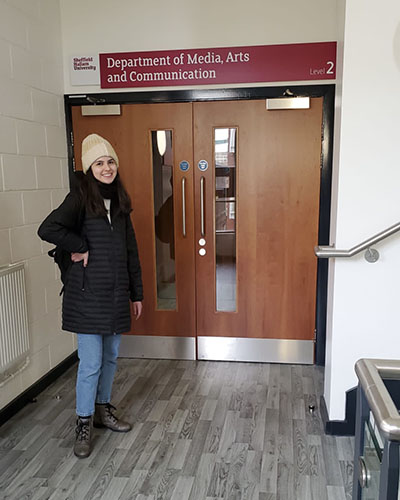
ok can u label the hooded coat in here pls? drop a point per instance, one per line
(96, 297)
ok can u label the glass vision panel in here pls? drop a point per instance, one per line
(225, 218)
(164, 218)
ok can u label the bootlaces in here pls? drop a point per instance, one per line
(82, 430)
(108, 409)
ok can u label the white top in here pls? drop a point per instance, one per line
(107, 204)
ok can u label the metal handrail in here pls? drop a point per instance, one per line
(329, 251)
(370, 373)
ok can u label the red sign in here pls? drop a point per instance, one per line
(263, 63)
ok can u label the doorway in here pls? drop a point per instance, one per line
(226, 218)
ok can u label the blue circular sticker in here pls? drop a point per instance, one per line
(184, 166)
(203, 165)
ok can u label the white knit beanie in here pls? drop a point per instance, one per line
(93, 147)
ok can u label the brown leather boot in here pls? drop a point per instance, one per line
(83, 442)
(104, 417)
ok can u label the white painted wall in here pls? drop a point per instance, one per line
(341, 13)
(96, 26)
(363, 319)
(33, 170)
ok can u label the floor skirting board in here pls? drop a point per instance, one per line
(344, 427)
(29, 395)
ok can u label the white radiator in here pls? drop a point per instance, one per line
(14, 335)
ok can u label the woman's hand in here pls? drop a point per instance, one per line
(77, 257)
(137, 309)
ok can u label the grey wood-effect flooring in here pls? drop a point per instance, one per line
(201, 431)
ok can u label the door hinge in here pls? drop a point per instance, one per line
(321, 162)
(71, 149)
(315, 334)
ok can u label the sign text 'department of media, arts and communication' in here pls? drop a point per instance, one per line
(262, 63)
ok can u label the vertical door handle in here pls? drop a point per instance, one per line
(202, 222)
(184, 207)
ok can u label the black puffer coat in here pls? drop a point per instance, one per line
(96, 298)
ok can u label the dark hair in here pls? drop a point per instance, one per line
(93, 201)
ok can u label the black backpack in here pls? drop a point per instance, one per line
(62, 257)
(63, 260)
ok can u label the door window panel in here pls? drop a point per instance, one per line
(162, 155)
(225, 218)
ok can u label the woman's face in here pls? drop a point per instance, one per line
(104, 169)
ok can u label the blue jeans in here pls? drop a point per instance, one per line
(97, 364)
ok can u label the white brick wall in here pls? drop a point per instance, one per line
(48, 170)
(5, 59)
(8, 135)
(31, 138)
(36, 205)
(33, 170)
(19, 172)
(15, 99)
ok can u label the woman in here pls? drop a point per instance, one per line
(94, 225)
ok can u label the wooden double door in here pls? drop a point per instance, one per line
(225, 201)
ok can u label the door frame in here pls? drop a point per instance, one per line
(247, 93)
